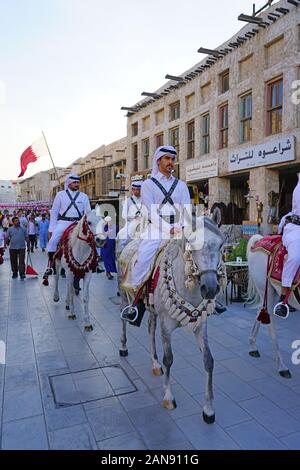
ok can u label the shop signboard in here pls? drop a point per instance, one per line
(198, 171)
(275, 151)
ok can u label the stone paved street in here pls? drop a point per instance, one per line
(255, 407)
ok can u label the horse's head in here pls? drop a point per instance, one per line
(206, 245)
(96, 226)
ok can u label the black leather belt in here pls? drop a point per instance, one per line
(293, 219)
(68, 219)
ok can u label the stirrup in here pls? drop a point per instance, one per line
(129, 313)
(283, 308)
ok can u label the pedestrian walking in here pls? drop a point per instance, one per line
(32, 231)
(18, 238)
(43, 231)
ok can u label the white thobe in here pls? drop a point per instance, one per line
(60, 205)
(130, 212)
(291, 240)
(158, 230)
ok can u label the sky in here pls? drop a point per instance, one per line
(67, 66)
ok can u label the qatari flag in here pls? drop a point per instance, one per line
(31, 154)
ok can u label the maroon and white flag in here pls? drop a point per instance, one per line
(31, 154)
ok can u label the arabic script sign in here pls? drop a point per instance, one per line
(202, 170)
(275, 151)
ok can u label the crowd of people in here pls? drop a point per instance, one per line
(21, 229)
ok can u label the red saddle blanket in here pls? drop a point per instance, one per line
(272, 245)
(65, 235)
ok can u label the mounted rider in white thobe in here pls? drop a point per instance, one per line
(291, 241)
(165, 199)
(68, 207)
(132, 211)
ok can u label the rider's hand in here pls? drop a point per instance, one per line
(175, 231)
(49, 235)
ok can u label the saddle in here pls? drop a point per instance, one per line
(127, 260)
(60, 248)
(272, 245)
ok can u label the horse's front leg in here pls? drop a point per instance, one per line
(86, 296)
(167, 327)
(156, 367)
(56, 291)
(208, 361)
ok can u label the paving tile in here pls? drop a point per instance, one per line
(156, 427)
(281, 395)
(235, 387)
(204, 436)
(292, 441)
(243, 369)
(93, 388)
(52, 360)
(271, 416)
(81, 362)
(227, 411)
(253, 436)
(190, 379)
(78, 437)
(25, 434)
(109, 421)
(130, 441)
(22, 403)
(20, 376)
(64, 417)
(64, 390)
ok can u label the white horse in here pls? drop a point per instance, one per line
(187, 286)
(79, 255)
(258, 264)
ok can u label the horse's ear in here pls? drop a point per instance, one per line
(216, 216)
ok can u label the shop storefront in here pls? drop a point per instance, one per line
(197, 178)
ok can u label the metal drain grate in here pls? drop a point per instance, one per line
(75, 388)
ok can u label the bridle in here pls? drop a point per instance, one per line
(208, 271)
(90, 236)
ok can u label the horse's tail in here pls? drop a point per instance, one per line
(253, 295)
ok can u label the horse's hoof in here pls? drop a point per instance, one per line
(208, 419)
(170, 404)
(67, 307)
(123, 352)
(88, 328)
(55, 299)
(157, 372)
(285, 374)
(254, 353)
(72, 317)
(76, 292)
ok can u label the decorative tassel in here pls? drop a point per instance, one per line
(264, 317)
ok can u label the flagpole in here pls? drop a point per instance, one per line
(54, 167)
